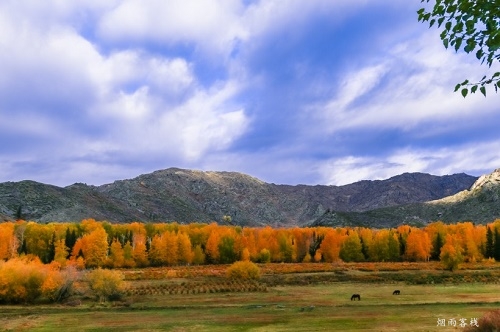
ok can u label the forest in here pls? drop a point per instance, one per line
(92, 244)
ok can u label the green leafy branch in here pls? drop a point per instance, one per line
(474, 26)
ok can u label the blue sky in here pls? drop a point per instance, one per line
(288, 91)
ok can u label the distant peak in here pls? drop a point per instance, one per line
(488, 179)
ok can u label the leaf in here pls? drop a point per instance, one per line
(479, 54)
(457, 45)
(445, 42)
(473, 89)
(431, 23)
(457, 87)
(496, 74)
(483, 90)
(464, 92)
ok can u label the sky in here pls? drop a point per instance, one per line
(288, 91)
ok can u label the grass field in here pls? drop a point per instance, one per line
(311, 307)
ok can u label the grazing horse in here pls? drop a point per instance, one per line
(396, 292)
(355, 296)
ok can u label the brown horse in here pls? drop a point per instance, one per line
(396, 292)
(355, 296)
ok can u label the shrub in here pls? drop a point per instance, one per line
(243, 270)
(105, 284)
(58, 284)
(20, 281)
(488, 323)
(23, 280)
(265, 256)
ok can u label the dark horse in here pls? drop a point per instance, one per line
(356, 296)
(396, 292)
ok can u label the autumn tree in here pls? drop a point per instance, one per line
(379, 248)
(212, 247)
(8, 241)
(184, 251)
(38, 239)
(139, 252)
(418, 245)
(266, 239)
(302, 242)
(248, 242)
(116, 257)
(330, 246)
(61, 253)
(157, 251)
(171, 247)
(198, 255)
(95, 247)
(451, 253)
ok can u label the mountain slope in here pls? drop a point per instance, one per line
(479, 204)
(186, 196)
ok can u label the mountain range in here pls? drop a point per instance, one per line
(197, 196)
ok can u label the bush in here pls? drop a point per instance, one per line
(58, 284)
(243, 270)
(488, 323)
(25, 280)
(265, 256)
(105, 284)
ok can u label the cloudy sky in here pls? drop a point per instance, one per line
(288, 91)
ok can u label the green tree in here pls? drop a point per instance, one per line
(471, 25)
(393, 247)
(496, 245)
(351, 249)
(489, 243)
(227, 254)
(436, 247)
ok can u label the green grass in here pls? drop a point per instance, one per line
(284, 308)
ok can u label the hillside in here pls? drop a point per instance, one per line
(185, 196)
(479, 204)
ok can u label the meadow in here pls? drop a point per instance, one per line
(288, 297)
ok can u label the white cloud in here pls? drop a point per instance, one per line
(411, 87)
(472, 158)
(211, 24)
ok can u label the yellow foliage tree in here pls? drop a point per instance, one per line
(418, 245)
(184, 252)
(95, 247)
(116, 257)
(451, 253)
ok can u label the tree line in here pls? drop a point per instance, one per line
(91, 244)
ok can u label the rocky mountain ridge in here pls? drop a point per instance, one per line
(479, 204)
(186, 196)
